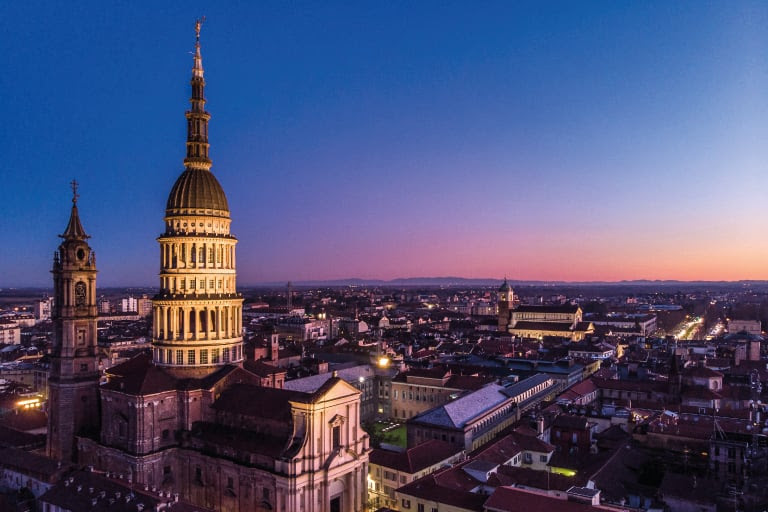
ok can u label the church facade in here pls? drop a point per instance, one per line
(190, 418)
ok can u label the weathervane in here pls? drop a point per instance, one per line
(75, 195)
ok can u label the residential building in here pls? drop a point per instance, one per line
(388, 470)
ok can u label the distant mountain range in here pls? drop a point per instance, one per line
(450, 281)
(464, 281)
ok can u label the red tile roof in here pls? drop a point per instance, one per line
(507, 499)
(415, 459)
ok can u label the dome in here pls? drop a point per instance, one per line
(505, 286)
(197, 189)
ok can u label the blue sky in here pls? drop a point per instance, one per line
(560, 140)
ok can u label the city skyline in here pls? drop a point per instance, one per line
(563, 144)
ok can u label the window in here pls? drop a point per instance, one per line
(166, 434)
(542, 458)
(179, 357)
(226, 354)
(420, 507)
(336, 437)
(83, 367)
(204, 356)
(199, 475)
(265, 494)
(215, 356)
(230, 482)
(166, 470)
(190, 357)
(406, 503)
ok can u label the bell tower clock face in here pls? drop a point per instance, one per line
(80, 294)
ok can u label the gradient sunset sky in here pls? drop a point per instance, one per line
(541, 140)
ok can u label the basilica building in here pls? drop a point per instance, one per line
(538, 321)
(190, 419)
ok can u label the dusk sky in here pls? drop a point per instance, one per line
(543, 140)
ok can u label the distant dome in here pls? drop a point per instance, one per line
(196, 189)
(505, 287)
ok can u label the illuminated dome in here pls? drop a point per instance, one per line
(196, 189)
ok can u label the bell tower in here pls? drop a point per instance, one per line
(505, 302)
(73, 406)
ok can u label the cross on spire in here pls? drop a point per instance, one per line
(75, 195)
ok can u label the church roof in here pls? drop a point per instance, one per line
(139, 376)
(258, 401)
(74, 229)
(196, 189)
(556, 308)
(542, 326)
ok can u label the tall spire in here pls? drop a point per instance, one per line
(74, 229)
(197, 117)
